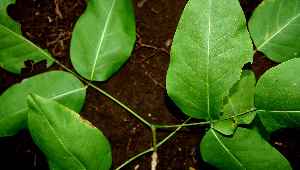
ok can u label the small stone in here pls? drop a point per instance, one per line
(141, 3)
(168, 42)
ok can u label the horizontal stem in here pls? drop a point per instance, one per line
(169, 136)
(202, 123)
(172, 126)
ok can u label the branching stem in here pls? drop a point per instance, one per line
(152, 127)
(152, 148)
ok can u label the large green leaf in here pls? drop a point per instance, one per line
(103, 38)
(274, 27)
(277, 96)
(14, 48)
(210, 47)
(244, 150)
(60, 86)
(67, 140)
(238, 104)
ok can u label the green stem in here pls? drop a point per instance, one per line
(172, 126)
(202, 123)
(133, 158)
(153, 129)
(154, 143)
(121, 104)
(168, 137)
(76, 75)
(106, 94)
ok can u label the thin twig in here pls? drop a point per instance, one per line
(149, 75)
(57, 11)
(157, 50)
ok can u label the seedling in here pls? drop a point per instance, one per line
(205, 80)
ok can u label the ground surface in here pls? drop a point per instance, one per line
(140, 84)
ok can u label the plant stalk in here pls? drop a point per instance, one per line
(152, 148)
(168, 137)
(121, 104)
(173, 126)
(70, 71)
(133, 158)
(154, 154)
(202, 123)
(106, 94)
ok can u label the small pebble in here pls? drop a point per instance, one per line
(141, 3)
(168, 42)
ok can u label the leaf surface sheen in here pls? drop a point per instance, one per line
(274, 27)
(244, 150)
(14, 48)
(277, 96)
(67, 140)
(103, 38)
(60, 86)
(209, 49)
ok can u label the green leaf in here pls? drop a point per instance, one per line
(277, 96)
(14, 48)
(67, 140)
(210, 46)
(244, 150)
(241, 96)
(103, 38)
(238, 104)
(60, 86)
(226, 127)
(274, 27)
(257, 126)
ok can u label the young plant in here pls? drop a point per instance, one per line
(205, 80)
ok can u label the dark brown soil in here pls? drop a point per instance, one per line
(140, 84)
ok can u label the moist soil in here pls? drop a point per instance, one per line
(139, 84)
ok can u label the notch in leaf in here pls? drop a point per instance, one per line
(14, 48)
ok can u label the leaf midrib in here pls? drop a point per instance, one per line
(101, 40)
(23, 109)
(207, 66)
(278, 31)
(57, 134)
(233, 108)
(26, 40)
(227, 149)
